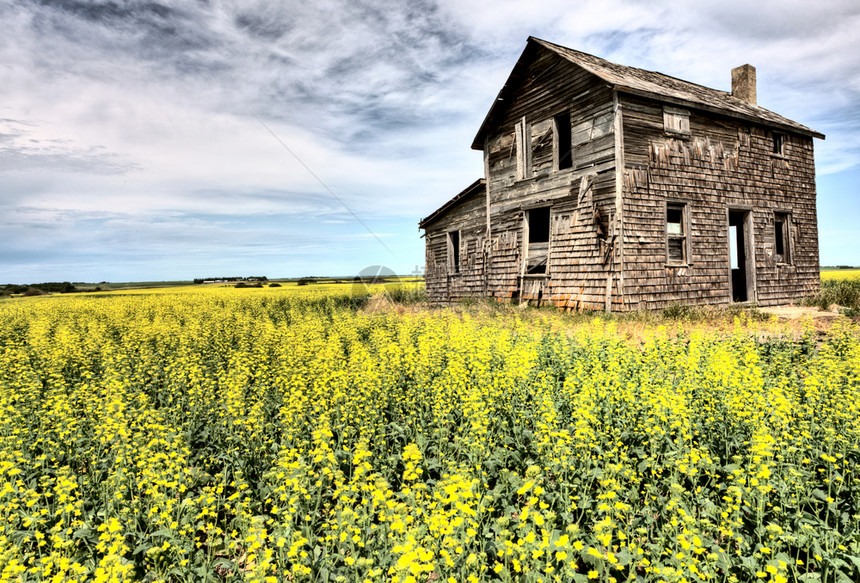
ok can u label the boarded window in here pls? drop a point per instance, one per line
(677, 236)
(454, 252)
(591, 129)
(563, 152)
(523, 137)
(543, 146)
(676, 121)
(781, 236)
(537, 227)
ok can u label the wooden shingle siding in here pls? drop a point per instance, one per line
(725, 164)
(469, 218)
(577, 272)
(640, 143)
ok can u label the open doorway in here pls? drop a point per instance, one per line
(741, 256)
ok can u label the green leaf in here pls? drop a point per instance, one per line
(223, 563)
(82, 532)
(853, 559)
(750, 563)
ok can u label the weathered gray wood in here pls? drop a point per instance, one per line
(632, 151)
(724, 164)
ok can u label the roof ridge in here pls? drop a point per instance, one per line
(648, 84)
(731, 105)
(662, 74)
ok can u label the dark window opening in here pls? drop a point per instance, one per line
(778, 144)
(454, 251)
(536, 265)
(676, 233)
(563, 142)
(538, 225)
(674, 220)
(782, 245)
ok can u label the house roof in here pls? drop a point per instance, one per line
(649, 84)
(478, 186)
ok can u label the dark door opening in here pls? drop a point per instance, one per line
(740, 259)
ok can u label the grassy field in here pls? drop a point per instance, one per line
(312, 434)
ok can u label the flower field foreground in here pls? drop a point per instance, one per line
(837, 274)
(273, 436)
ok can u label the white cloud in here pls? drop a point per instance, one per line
(141, 115)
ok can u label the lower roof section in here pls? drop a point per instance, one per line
(479, 186)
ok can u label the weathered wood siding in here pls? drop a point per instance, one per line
(469, 217)
(581, 260)
(608, 245)
(723, 164)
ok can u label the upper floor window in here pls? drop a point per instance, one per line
(676, 121)
(563, 152)
(779, 144)
(543, 147)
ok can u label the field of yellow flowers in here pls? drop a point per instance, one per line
(287, 435)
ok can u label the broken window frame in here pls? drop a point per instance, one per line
(536, 240)
(782, 237)
(778, 144)
(562, 146)
(676, 122)
(678, 240)
(453, 238)
(523, 140)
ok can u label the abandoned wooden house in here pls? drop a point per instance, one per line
(611, 187)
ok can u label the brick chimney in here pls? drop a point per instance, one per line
(743, 83)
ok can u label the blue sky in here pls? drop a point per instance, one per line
(132, 148)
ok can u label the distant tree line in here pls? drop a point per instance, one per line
(232, 278)
(62, 287)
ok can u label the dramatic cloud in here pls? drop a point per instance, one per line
(135, 136)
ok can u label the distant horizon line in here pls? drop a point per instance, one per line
(191, 281)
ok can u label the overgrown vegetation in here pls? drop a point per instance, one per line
(406, 294)
(842, 292)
